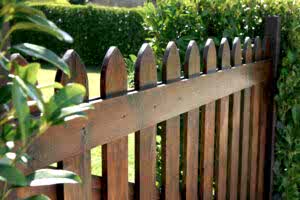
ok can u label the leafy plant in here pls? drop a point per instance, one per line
(24, 114)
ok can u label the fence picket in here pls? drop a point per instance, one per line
(171, 130)
(208, 127)
(245, 127)
(234, 128)
(80, 164)
(262, 127)
(191, 129)
(145, 139)
(114, 154)
(222, 115)
(254, 127)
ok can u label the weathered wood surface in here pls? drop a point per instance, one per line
(117, 117)
(171, 131)
(208, 128)
(254, 135)
(234, 129)
(191, 129)
(145, 139)
(221, 137)
(114, 153)
(245, 129)
(80, 164)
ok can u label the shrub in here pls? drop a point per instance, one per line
(65, 2)
(93, 28)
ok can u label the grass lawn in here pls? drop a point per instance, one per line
(47, 76)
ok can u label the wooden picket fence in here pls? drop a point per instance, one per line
(228, 125)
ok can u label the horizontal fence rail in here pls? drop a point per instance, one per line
(213, 121)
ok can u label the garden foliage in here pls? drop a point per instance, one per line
(93, 28)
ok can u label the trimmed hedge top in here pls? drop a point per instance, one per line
(94, 29)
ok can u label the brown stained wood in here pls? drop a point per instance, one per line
(263, 126)
(208, 128)
(145, 139)
(222, 115)
(171, 130)
(234, 129)
(80, 164)
(254, 127)
(114, 154)
(191, 129)
(119, 116)
(272, 31)
(245, 128)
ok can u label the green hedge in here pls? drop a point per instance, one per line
(93, 28)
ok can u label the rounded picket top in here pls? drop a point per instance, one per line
(247, 51)
(113, 74)
(266, 48)
(257, 49)
(224, 54)
(210, 57)
(236, 54)
(145, 69)
(171, 64)
(192, 60)
(77, 70)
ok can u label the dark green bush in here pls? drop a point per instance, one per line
(182, 21)
(94, 30)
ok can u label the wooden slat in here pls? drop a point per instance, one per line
(191, 129)
(145, 139)
(80, 164)
(117, 117)
(208, 128)
(254, 127)
(234, 127)
(115, 153)
(263, 127)
(245, 127)
(222, 115)
(171, 130)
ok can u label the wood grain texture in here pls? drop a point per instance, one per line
(119, 116)
(254, 127)
(171, 130)
(263, 126)
(208, 128)
(245, 128)
(191, 130)
(221, 137)
(115, 153)
(234, 128)
(145, 139)
(80, 164)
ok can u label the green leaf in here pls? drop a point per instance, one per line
(51, 177)
(296, 114)
(28, 73)
(38, 197)
(44, 54)
(56, 32)
(31, 91)
(47, 26)
(72, 94)
(5, 92)
(8, 132)
(54, 85)
(19, 100)
(12, 175)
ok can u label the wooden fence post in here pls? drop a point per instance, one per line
(272, 30)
